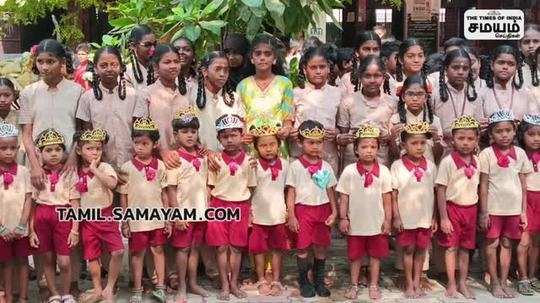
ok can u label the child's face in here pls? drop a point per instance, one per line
(367, 149)
(143, 146)
(82, 56)
(465, 140)
(185, 52)
(235, 60)
(312, 147)
(504, 67)
(458, 71)
(503, 133)
(7, 96)
(415, 98)
(49, 66)
(217, 72)
(187, 137)
(317, 71)
(532, 138)
(391, 63)
(530, 42)
(90, 151)
(372, 79)
(370, 47)
(263, 57)
(169, 66)
(347, 66)
(52, 154)
(475, 66)
(415, 145)
(146, 47)
(108, 67)
(268, 147)
(413, 59)
(230, 139)
(8, 149)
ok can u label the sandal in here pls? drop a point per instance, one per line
(535, 284)
(54, 299)
(68, 299)
(136, 296)
(159, 294)
(524, 288)
(276, 288)
(90, 296)
(352, 293)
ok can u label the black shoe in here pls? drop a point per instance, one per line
(318, 274)
(307, 290)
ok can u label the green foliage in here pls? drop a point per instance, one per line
(68, 30)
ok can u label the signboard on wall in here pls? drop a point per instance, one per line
(422, 22)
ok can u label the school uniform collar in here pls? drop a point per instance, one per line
(372, 103)
(469, 168)
(214, 97)
(498, 86)
(274, 166)
(311, 87)
(311, 167)
(53, 176)
(417, 169)
(194, 159)
(368, 174)
(534, 157)
(169, 90)
(58, 87)
(8, 174)
(412, 117)
(112, 91)
(149, 169)
(233, 162)
(503, 160)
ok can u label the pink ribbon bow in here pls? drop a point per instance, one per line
(8, 175)
(150, 169)
(534, 157)
(503, 160)
(193, 159)
(368, 174)
(311, 167)
(54, 177)
(468, 168)
(275, 167)
(233, 162)
(418, 169)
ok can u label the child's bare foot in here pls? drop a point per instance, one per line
(198, 290)
(410, 293)
(237, 292)
(420, 293)
(374, 292)
(352, 293)
(497, 291)
(466, 292)
(276, 289)
(181, 297)
(510, 293)
(262, 287)
(224, 295)
(451, 292)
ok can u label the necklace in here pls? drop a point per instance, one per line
(454, 104)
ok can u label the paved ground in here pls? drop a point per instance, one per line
(339, 277)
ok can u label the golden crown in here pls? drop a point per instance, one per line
(417, 128)
(49, 137)
(264, 127)
(313, 133)
(186, 113)
(97, 134)
(368, 131)
(465, 122)
(145, 124)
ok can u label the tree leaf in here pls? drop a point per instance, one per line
(244, 14)
(258, 11)
(275, 6)
(120, 22)
(213, 26)
(211, 7)
(253, 3)
(253, 26)
(193, 32)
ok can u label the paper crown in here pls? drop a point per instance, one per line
(49, 137)
(96, 134)
(465, 122)
(264, 127)
(501, 116)
(313, 133)
(532, 119)
(228, 121)
(8, 130)
(145, 124)
(186, 114)
(368, 131)
(417, 128)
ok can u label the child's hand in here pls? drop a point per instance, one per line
(523, 221)
(433, 225)
(73, 238)
(294, 134)
(292, 222)
(33, 239)
(446, 226)
(202, 151)
(181, 225)
(94, 164)
(330, 134)
(213, 161)
(171, 159)
(283, 133)
(331, 219)
(484, 222)
(398, 225)
(484, 122)
(344, 139)
(396, 130)
(71, 165)
(344, 225)
(247, 138)
(125, 230)
(37, 176)
(168, 229)
(386, 227)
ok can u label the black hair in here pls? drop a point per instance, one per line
(388, 48)
(228, 89)
(364, 37)
(405, 135)
(135, 36)
(454, 41)
(41, 134)
(98, 94)
(506, 49)
(277, 69)
(434, 63)
(192, 71)
(56, 49)
(6, 82)
(532, 60)
(428, 112)
(151, 134)
(523, 127)
(308, 125)
(357, 72)
(326, 51)
(344, 54)
(534, 68)
(236, 43)
(161, 50)
(78, 134)
(85, 47)
(448, 59)
(178, 124)
(311, 42)
(476, 130)
(403, 48)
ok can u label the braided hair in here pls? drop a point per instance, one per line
(161, 50)
(56, 49)
(534, 67)
(98, 94)
(362, 68)
(5, 82)
(136, 35)
(505, 49)
(428, 112)
(403, 48)
(448, 59)
(325, 51)
(530, 59)
(228, 89)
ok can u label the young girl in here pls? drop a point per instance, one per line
(413, 181)
(311, 206)
(366, 43)
(188, 64)
(317, 100)
(96, 180)
(366, 211)
(389, 53)
(503, 91)
(414, 106)
(268, 230)
(476, 66)
(145, 177)
(344, 62)
(367, 103)
(266, 92)
(456, 93)
(51, 238)
(457, 183)
(9, 111)
(230, 186)
(112, 106)
(187, 189)
(82, 51)
(528, 46)
(529, 139)
(166, 97)
(236, 46)
(503, 200)
(214, 97)
(49, 103)
(16, 193)
(142, 45)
